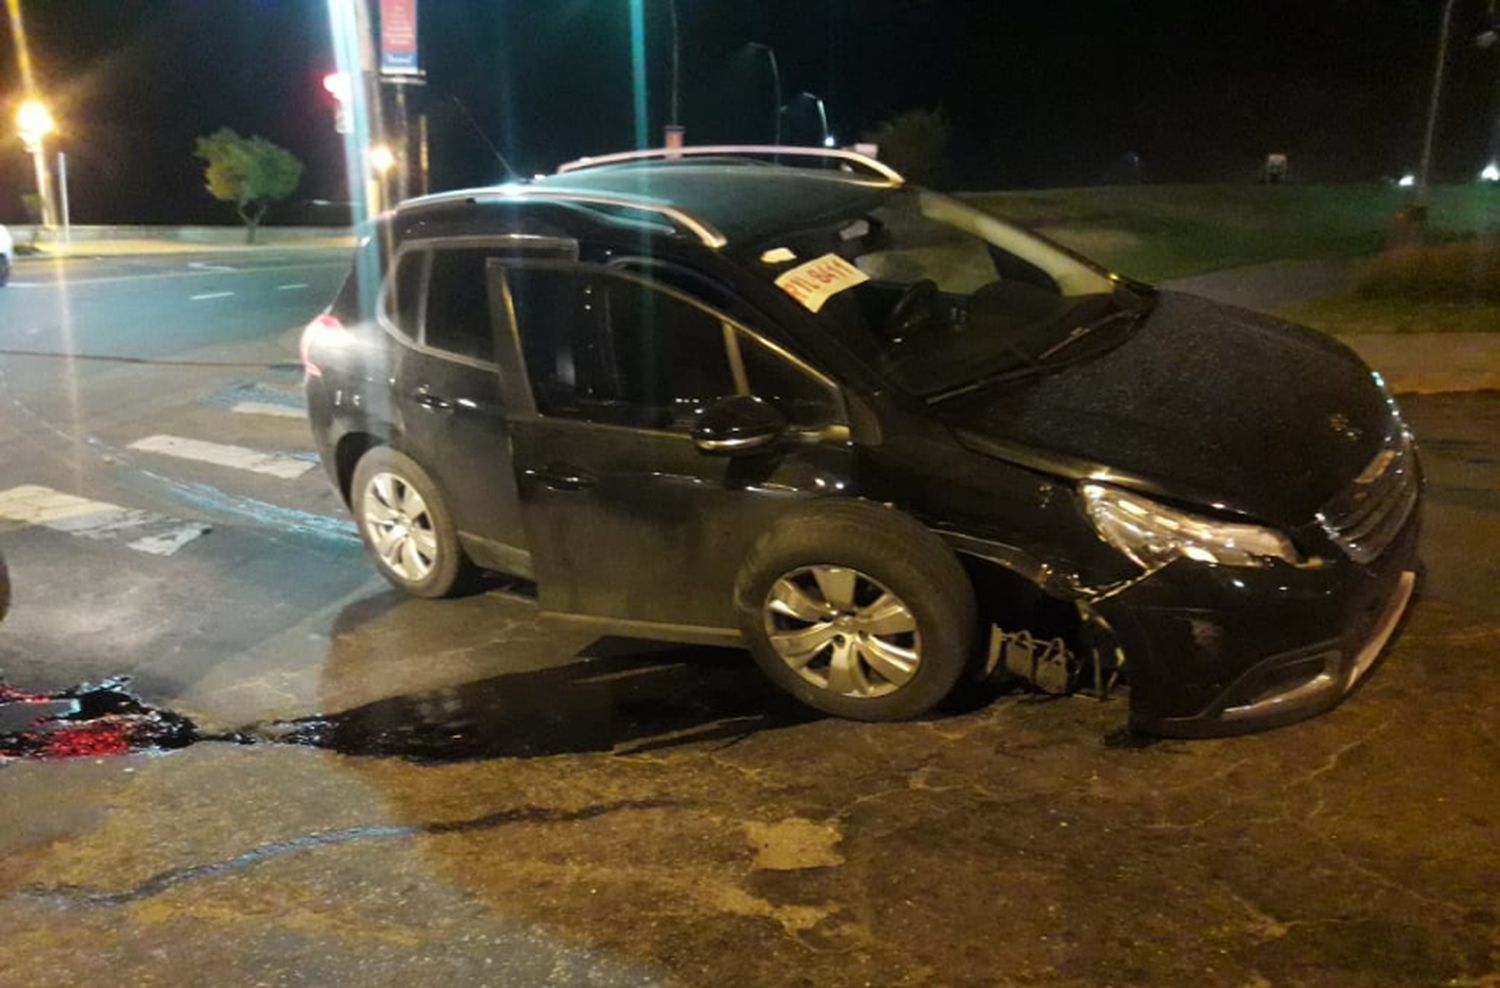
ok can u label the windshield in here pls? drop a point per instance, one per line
(938, 294)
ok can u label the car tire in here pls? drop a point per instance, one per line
(796, 590)
(4, 271)
(405, 523)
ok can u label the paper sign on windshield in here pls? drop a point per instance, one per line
(817, 281)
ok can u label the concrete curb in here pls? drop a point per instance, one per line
(1431, 363)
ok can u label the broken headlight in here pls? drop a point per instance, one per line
(1152, 534)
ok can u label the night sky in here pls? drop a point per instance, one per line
(1047, 93)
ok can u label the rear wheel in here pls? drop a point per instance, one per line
(405, 522)
(857, 610)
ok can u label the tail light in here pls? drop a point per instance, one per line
(323, 329)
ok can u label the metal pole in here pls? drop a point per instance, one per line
(403, 146)
(44, 186)
(776, 86)
(676, 119)
(776, 81)
(822, 115)
(422, 154)
(1424, 172)
(62, 184)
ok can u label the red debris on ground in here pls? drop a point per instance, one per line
(86, 722)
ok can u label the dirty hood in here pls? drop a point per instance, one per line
(1205, 402)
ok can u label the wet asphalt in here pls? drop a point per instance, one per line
(414, 792)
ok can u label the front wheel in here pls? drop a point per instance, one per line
(857, 610)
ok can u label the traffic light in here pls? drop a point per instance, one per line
(337, 84)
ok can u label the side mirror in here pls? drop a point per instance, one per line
(737, 425)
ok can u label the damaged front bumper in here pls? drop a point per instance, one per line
(1213, 650)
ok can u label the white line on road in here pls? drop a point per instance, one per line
(266, 408)
(33, 504)
(292, 287)
(205, 266)
(208, 295)
(271, 464)
(66, 282)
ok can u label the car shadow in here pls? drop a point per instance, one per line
(625, 697)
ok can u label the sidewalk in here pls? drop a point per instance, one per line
(1411, 363)
(145, 247)
(1431, 363)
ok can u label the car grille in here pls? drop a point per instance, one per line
(1366, 517)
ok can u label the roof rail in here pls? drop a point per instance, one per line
(702, 229)
(886, 172)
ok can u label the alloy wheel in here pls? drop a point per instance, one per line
(843, 631)
(400, 527)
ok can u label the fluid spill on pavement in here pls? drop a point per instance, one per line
(88, 720)
(623, 704)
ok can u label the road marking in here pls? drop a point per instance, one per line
(66, 282)
(33, 504)
(238, 457)
(266, 408)
(292, 287)
(208, 295)
(205, 266)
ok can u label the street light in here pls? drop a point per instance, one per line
(817, 101)
(382, 159)
(1490, 173)
(776, 84)
(35, 122)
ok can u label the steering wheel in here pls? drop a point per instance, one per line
(913, 310)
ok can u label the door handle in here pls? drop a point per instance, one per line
(564, 477)
(432, 402)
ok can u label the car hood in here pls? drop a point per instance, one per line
(1203, 403)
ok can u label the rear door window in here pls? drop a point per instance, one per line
(458, 308)
(402, 306)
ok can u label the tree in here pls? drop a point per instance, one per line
(915, 143)
(250, 172)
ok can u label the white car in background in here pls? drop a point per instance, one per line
(7, 254)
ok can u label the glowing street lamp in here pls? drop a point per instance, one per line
(35, 122)
(1491, 172)
(382, 159)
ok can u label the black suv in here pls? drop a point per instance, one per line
(883, 439)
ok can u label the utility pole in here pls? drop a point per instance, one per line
(674, 133)
(422, 154)
(403, 148)
(776, 88)
(62, 183)
(1424, 171)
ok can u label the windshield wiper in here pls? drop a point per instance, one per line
(1080, 332)
(1036, 364)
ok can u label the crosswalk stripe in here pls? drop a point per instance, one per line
(158, 535)
(219, 454)
(266, 408)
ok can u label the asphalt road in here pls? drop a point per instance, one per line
(455, 792)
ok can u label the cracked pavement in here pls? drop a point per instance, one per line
(619, 813)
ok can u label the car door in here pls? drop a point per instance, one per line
(448, 396)
(627, 519)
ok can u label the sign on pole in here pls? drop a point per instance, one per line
(398, 38)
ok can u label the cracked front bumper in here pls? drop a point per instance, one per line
(1215, 650)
